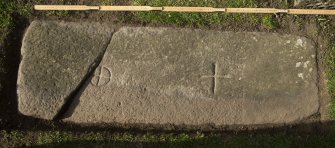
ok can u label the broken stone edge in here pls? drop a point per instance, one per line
(69, 98)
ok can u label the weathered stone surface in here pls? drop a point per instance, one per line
(56, 57)
(194, 77)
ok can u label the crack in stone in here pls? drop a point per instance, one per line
(74, 95)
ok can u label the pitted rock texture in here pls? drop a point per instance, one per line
(56, 58)
(195, 77)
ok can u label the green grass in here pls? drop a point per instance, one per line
(269, 22)
(330, 60)
(105, 139)
(206, 19)
(106, 2)
(196, 19)
(63, 13)
(328, 27)
(7, 8)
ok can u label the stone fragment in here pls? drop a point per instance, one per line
(193, 77)
(56, 57)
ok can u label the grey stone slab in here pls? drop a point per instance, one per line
(194, 77)
(56, 57)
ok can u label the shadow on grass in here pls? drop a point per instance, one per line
(82, 143)
(8, 96)
(217, 140)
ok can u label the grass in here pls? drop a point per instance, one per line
(60, 13)
(7, 8)
(6, 22)
(106, 2)
(105, 139)
(328, 28)
(206, 19)
(196, 19)
(269, 22)
(330, 60)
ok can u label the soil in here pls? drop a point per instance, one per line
(11, 119)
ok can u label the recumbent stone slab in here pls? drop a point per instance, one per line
(56, 57)
(194, 77)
